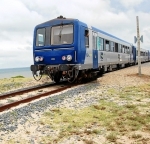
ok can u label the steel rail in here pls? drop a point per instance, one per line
(16, 103)
(29, 89)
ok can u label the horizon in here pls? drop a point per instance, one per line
(14, 67)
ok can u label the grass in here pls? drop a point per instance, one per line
(90, 120)
(136, 136)
(8, 84)
(112, 137)
(18, 77)
(114, 119)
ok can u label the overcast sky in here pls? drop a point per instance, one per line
(19, 17)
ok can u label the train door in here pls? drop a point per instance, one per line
(134, 53)
(95, 51)
(86, 47)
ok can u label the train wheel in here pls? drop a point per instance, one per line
(57, 77)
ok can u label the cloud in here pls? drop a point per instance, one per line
(130, 3)
(19, 17)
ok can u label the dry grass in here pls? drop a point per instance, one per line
(117, 120)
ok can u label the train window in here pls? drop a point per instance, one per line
(100, 44)
(112, 46)
(123, 49)
(94, 40)
(40, 37)
(128, 50)
(107, 45)
(62, 34)
(86, 38)
(116, 47)
(120, 49)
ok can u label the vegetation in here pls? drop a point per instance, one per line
(8, 84)
(18, 77)
(106, 118)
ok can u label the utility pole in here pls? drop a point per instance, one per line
(138, 45)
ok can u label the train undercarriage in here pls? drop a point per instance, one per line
(71, 73)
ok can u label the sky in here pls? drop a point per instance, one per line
(19, 17)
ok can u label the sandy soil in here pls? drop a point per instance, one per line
(127, 76)
(121, 78)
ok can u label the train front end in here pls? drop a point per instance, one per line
(55, 49)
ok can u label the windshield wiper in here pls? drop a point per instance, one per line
(61, 28)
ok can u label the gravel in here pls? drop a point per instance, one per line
(75, 98)
(10, 120)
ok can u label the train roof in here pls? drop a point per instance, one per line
(105, 33)
(82, 23)
(55, 21)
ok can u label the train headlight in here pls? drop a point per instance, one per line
(37, 59)
(63, 58)
(41, 58)
(69, 57)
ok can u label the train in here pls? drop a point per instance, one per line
(67, 48)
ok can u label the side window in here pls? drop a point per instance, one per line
(126, 50)
(100, 44)
(123, 49)
(107, 45)
(86, 38)
(116, 47)
(120, 49)
(94, 40)
(112, 46)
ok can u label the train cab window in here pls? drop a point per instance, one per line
(100, 44)
(62, 34)
(86, 38)
(40, 37)
(107, 45)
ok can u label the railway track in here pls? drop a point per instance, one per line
(60, 87)
(50, 89)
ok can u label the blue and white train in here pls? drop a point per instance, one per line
(69, 48)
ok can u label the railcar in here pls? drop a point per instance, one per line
(65, 48)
